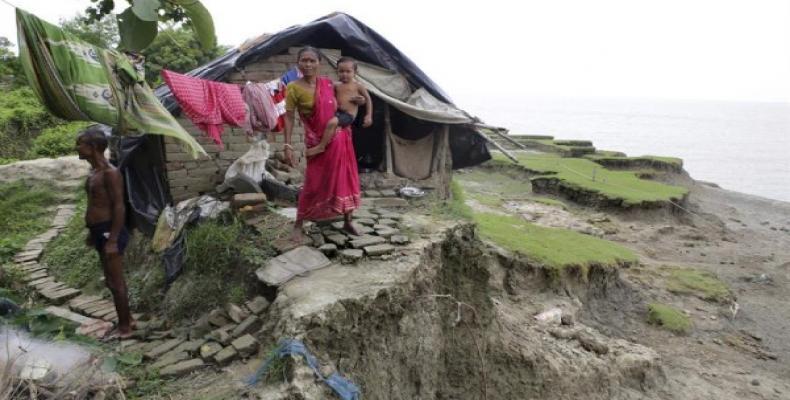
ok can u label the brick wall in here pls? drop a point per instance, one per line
(188, 177)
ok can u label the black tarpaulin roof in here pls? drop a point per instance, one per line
(335, 31)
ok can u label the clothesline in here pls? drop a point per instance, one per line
(4, 1)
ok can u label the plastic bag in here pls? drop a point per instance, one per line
(252, 163)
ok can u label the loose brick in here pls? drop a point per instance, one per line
(182, 368)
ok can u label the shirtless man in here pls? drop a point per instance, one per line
(350, 95)
(105, 220)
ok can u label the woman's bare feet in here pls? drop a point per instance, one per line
(348, 226)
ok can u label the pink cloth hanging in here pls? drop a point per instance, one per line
(263, 111)
(208, 104)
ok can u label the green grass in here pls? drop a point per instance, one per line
(24, 207)
(620, 185)
(668, 317)
(70, 260)
(554, 247)
(673, 163)
(490, 187)
(702, 284)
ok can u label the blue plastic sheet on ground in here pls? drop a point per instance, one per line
(344, 388)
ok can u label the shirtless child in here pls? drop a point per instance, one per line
(349, 95)
(104, 218)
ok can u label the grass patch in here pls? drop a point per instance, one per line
(554, 247)
(70, 260)
(668, 317)
(700, 283)
(24, 207)
(578, 172)
(455, 207)
(621, 161)
(222, 256)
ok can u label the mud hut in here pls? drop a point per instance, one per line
(418, 135)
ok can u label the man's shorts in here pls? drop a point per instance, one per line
(100, 233)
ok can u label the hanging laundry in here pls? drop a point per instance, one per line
(277, 90)
(291, 75)
(208, 104)
(78, 81)
(263, 113)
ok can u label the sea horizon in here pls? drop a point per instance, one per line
(739, 145)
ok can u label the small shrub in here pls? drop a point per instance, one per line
(56, 141)
(668, 317)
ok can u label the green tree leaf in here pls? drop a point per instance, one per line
(176, 49)
(146, 10)
(201, 22)
(136, 34)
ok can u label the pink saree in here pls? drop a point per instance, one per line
(331, 182)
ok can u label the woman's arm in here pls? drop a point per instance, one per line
(289, 151)
(368, 120)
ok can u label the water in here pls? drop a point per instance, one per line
(19, 347)
(741, 146)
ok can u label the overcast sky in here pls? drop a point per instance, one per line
(691, 49)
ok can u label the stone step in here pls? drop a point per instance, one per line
(50, 286)
(169, 358)
(163, 348)
(61, 295)
(182, 368)
(379, 249)
(68, 315)
(367, 241)
(35, 276)
(81, 300)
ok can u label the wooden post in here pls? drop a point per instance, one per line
(387, 144)
(445, 163)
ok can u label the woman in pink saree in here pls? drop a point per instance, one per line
(331, 182)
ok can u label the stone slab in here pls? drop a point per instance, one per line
(68, 315)
(245, 345)
(249, 325)
(191, 346)
(169, 358)
(366, 221)
(338, 239)
(258, 304)
(61, 295)
(208, 350)
(379, 249)
(182, 368)
(163, 348)
(399, 239)
(368, 241)
(329, 249)
(225, 355)
(385, 202)
(350, 256)
(387, 232)
(298, 261)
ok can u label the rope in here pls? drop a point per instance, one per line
(5, 1)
